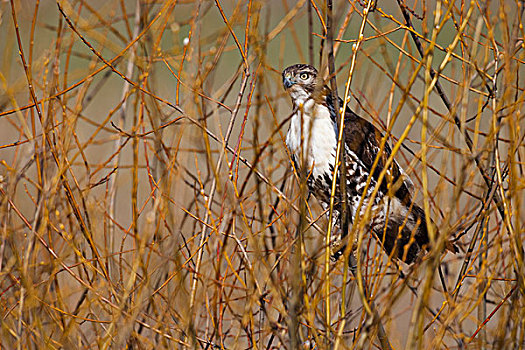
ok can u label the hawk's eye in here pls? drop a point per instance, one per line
(304, 76)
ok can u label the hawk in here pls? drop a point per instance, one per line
(397, 222)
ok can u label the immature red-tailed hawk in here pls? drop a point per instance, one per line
(313, 131)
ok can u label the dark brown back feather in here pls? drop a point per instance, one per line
(364, 140)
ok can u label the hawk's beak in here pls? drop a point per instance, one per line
(287, 83)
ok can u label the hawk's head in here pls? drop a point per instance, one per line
(300, 81)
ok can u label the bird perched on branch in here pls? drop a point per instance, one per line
(396, 221)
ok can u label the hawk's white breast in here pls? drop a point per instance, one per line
(319, 141)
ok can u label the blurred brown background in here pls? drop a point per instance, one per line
(142, 155)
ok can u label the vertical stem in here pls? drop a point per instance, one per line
(482, 308)
(375, 319)
(122, 119)
(310, 34)
(340, 162)
(340, 153)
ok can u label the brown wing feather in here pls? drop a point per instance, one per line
(364, 140)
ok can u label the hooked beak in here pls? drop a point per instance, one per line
(287, 83)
